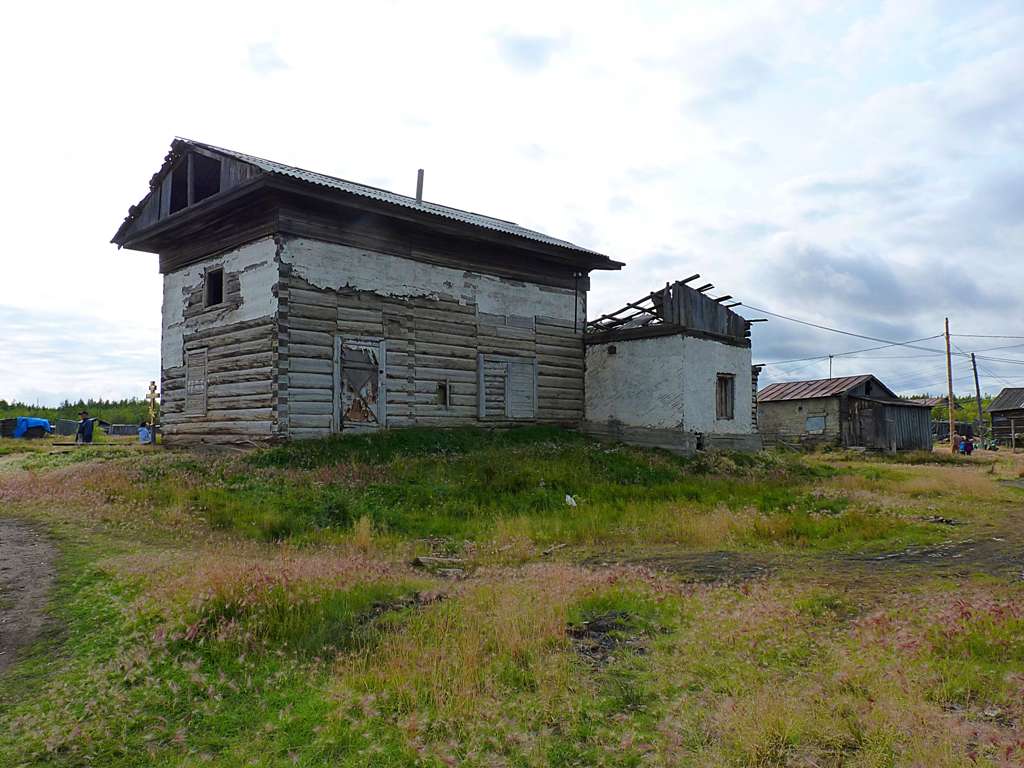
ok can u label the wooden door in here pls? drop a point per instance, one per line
(359, 391)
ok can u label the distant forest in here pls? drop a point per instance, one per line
(128, 411)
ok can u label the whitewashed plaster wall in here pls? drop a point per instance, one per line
(329, 265)
(641, 385)
(667, 382)
(258, 274)
(703, 360)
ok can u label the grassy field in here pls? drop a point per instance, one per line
(525, 598)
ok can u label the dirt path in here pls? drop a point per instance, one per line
(26, 578)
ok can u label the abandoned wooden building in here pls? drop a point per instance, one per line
(1007, 413)
(672, 370)
(297, 305)
(849, 411)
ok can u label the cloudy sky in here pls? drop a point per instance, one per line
(855, 165)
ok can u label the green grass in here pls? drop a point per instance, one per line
(470, 484)
(276, 621)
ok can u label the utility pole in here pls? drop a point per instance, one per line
(977, 392)
(952, 402)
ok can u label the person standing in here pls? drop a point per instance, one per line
(84, 433)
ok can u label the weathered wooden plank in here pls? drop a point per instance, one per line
(244, 348)
(262, 373)
(311, 351)
(309, 395)
(462, 330)
(360, 314)
(322, 298)
(312, 324)
(219, 427)
(228, 335)
(311, 380)
(309, 365)
(352, 329)
(445, 350)
(239, 388)
(240, 414)
(302, 420)
(440, 374)
(315, 338)
(207, 333)
(308, 407)
(241, 362)
(238, 403)
(445, 362)
(312, 311)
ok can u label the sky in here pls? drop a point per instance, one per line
(855, 165)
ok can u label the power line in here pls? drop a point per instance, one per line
(856, 351)
(982, 335)
(886, 342)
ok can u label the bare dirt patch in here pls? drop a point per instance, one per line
(697, 567)
(26, 578)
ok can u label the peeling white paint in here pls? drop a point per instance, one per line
(703, 360)
(258, 275)
(641, 385)
(333, 266)
(667, 382)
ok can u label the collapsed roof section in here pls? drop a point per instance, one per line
(677, 308)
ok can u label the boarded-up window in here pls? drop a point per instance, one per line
(725, 396)
(814, 425)
(360, 399)
(508, 387)
(195, 383)
(522, 389)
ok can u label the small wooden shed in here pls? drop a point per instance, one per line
(1007, 412)
(850, 411)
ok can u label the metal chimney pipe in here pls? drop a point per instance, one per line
(419, 186)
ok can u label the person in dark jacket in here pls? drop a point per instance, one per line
(84, 433)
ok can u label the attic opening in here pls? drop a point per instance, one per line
(179, 187)
(194, 179)
(205, 177)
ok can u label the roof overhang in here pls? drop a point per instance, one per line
(275, 178)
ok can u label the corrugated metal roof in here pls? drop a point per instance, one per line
(932, 402)
(1010, 399)
(393, 198)
(805, 390)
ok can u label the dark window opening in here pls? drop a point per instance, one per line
(214, 287)
(867, 388)
(205, 177)
(725, 396)
(179, 187)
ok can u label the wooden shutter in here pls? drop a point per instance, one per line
(522, 389)
(725, 396)
(507, 387)
(195, 383)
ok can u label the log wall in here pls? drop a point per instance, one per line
(433, 345)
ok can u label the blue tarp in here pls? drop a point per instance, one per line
(25, 422)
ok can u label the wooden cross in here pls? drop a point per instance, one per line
(152, 397)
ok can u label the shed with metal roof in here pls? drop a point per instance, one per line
(1007, 413)
(849, 411)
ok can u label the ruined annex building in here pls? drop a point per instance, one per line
(298, 305)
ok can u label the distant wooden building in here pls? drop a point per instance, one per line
(848, 411)
(299, 305)
(1007, 413)
(672, 370)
